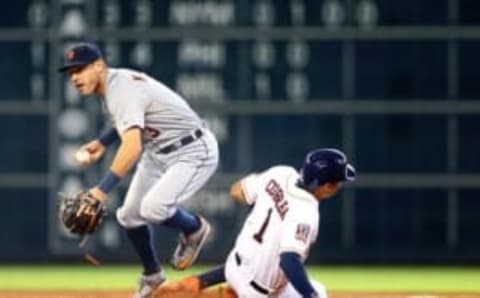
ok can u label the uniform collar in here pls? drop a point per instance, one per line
(298, 191)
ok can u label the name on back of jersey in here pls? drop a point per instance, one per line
(276, 193)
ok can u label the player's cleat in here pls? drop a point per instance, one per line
(148, 284)
(188, 247)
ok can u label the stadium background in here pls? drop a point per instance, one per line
(393, 83)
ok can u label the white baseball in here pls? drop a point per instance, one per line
(82, 156)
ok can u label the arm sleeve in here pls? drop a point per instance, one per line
(212, 277)
(127, 106)
(108, 137)
(293, 269)
(250, 188)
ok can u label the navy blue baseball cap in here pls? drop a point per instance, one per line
(80, 54)
(326, 165)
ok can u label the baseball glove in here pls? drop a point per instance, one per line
(81, 214)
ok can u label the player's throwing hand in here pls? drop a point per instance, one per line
(89, 153)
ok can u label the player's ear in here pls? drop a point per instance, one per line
(99, 64)
(333, 187)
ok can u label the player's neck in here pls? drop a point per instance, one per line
(301, 185)
(100, 91)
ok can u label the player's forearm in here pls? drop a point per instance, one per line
(126, 157)
(295, 272)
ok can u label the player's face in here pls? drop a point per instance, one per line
(84, 78)
(327, 190)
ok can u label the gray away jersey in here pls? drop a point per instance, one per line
(135, 99)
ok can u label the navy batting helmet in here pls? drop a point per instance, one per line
(326, 165)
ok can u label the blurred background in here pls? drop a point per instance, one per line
(394, 83)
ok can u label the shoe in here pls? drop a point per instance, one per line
(148, 284)
(188, 247)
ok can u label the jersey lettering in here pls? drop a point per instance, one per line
(276, 193)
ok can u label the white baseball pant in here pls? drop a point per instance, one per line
(240, 279)
(162, 181)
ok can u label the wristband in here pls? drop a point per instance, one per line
(108, 182)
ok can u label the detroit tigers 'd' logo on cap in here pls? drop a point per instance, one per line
(70, 55)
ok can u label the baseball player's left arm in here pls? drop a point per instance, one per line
(127, 154)
(236, 192)
(298, 232)
(244, 190)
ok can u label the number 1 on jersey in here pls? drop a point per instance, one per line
(258, 236)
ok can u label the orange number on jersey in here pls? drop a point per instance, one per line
(151, 133)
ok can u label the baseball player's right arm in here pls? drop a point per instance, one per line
(94, 150)
(97, 147)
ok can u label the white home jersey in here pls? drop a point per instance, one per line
(135, 99)
(284, 218)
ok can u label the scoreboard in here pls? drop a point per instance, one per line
(273, 78)
(210, 50)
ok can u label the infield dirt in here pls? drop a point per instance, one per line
(124, 294)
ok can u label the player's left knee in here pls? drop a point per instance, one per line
(156, 213)
(125, 219)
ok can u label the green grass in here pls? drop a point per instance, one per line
(408, 279)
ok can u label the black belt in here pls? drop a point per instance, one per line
(254, 285)
(259, 288)
(182, 142)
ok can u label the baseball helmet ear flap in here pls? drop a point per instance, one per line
(350, 172)
(326, 165)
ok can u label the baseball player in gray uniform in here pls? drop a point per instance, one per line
(176, 155)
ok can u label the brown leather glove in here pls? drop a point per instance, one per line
(82, 214)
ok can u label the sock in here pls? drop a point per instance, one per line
(183, 220)
(212, 277)
(142, 241)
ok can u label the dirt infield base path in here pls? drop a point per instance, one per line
(124, 294)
